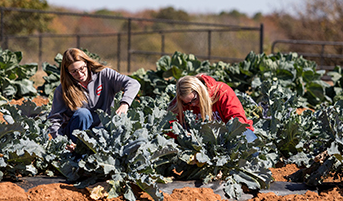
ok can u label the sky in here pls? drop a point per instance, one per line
(249, 7)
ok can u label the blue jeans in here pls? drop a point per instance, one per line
(249, 135)
(82, 119)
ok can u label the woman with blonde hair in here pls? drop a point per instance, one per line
(208, 99)
(86, 85)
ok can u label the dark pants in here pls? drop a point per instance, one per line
(82, 119)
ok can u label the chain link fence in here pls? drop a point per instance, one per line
(126, 44)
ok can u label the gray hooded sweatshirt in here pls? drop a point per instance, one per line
(100, 94)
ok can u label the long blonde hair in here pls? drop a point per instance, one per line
(187, 85)
(73, 95)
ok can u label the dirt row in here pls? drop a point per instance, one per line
(61, 191)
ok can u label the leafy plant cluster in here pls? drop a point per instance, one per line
(296, 138)
(327, 122)
(134, 149)
(277, 86)
(312, 140)
(14, 78)
(289, 70)
(25, 146)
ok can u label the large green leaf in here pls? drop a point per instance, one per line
(6, 129)
(25, 88)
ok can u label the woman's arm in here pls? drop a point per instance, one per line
(229, 106)
(56, 114)
(124, 83)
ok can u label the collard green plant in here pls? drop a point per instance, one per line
(52, 80)
(128, 149)
(288, 135)
(22, 143)
(329, 160)
(336, 90)
(168, 70)
(14, 78)
(290, 70)
(212, 151)
(26, 147)
(135, 149)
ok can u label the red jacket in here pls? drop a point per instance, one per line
(227, 107)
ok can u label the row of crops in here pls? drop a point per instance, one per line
(134, 148)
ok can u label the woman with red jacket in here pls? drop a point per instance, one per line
(209, 98)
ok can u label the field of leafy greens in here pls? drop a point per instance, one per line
(134, 148)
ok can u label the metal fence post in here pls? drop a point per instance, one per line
(129, 45)
(40, 50)
(209, 44)
(78, 41)
(261, 39)
(2, 27)
(6, 42)
(162, 43)
(118, 53)
(322, 57)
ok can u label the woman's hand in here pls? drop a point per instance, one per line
(71, 147)
(123, 108)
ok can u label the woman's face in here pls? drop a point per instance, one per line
(79, 71)
(190, 99)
